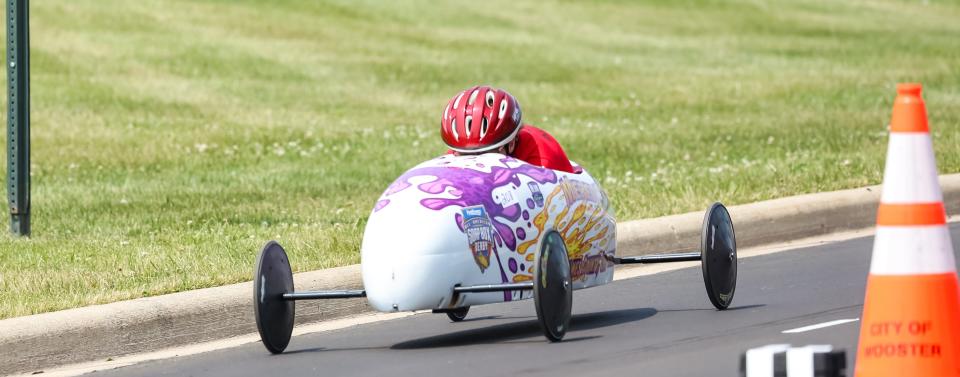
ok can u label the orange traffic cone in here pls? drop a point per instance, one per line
(911, 313)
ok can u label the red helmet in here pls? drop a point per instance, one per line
(480, 119)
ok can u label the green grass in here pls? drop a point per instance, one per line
(172, 138)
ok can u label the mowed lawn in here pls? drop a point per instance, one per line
(171, 138)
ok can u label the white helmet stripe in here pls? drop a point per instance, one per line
(473, 96)
(456, 102)
(490, 147)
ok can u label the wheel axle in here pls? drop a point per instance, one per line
(660, 258)
(320, 295)
(494, 288)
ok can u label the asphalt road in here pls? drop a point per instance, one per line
(659, 325)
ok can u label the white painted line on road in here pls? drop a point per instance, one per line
(193, 349)
(820, 326)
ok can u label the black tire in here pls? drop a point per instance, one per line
(718, 256)
(553, 287)
(271, 279)
(458, 314)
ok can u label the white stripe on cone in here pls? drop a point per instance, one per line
(911, 172)
(912, 250)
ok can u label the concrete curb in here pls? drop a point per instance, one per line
(103, 331)
(770, 221)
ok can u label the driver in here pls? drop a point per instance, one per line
(483, 119)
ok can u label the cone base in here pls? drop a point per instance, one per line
(911, 326)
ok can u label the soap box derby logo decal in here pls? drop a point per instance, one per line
(479, 230)
(537, 195)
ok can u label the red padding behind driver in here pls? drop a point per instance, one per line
(537, 147)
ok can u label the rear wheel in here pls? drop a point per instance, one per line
(272, 278)
(458, 314)
(553, 287)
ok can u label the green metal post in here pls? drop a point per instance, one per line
(18, 120)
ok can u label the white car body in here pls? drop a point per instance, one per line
(478, 220)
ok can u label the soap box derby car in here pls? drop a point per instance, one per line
(459, 231)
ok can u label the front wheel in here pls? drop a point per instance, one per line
(553, 287)
(718, 252)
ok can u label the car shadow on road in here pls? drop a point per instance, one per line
(730, 309)
(512, 332)
(499, 317)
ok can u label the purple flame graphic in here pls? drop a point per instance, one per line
(471, 187)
